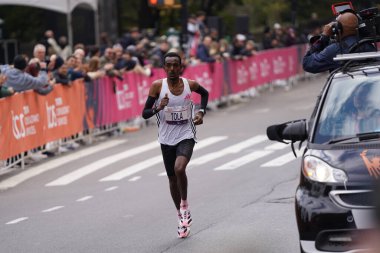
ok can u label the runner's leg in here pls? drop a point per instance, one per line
(169, 156)
(174, 191)
(184, 153)
(180, 172)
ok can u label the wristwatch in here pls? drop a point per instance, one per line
(202, 111)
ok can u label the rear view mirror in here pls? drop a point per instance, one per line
(290, 131)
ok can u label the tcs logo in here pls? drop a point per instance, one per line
(18, 125)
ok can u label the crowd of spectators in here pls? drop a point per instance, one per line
(54, 61)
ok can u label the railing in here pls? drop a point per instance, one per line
(30, 121)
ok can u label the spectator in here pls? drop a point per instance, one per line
(130, 38)
(173, 38)
(45, 41)
(80, 54)
(214, 34)
(39, 52)
(267, 38)
(224, 48)
(238, 46)
(62, 48)
(214, 49)
(134, 65)
(291, 37)
(249, 49)
(74, 71)
(108, 57)
(5, 91)
(60, 75)
(203, 53)
(105, 42)
(159, 53)
(94, 71)
(192, 35)
(202, 27)
(278, 37)
(21, 81)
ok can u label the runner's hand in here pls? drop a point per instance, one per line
(164, 102)
(198, 119)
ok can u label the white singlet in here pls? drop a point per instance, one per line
(175, 121)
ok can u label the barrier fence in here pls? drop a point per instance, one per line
(29, 120)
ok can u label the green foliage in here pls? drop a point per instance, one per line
(26, 18)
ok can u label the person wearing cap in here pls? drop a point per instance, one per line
(278, 37)
(19, 80)
(320, 56)
(238, 46)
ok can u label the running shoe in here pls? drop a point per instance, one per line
(185, 217)
(183, 231)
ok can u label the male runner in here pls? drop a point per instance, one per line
(170, 100)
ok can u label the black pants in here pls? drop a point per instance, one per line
(170, 153)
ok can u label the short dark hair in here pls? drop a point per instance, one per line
(19, 62)
(172, 54)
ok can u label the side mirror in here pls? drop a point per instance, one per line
(291, 131)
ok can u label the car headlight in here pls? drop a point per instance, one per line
(318, 170)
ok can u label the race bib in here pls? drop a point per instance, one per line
(177, 115)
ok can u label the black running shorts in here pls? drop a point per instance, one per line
(170, 153)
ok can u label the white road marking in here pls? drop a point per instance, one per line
(236, 148)
(276, 146)
(284, 159)
(102, 163)
(162, 174)
(111, 188)
(50, 165)
(132, 169)
(84, 198)
(156, 160)
(234, 164)
(52, 209)
(134, 179)
(16, 221)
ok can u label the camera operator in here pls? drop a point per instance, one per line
(319, 57)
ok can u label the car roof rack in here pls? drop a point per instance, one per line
(357, 56)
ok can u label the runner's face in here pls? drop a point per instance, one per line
(172, 67)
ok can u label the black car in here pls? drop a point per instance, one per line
(334, 201)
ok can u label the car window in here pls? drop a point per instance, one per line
(352, 106)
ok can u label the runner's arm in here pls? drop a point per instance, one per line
(149, 108)
(204, 97)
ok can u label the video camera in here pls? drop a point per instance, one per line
(369, 19)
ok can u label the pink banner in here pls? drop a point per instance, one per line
(210, 76)
(263, 68)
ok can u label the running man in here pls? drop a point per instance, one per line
(170, 100)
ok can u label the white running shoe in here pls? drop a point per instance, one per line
(185, 217)
(183, 231)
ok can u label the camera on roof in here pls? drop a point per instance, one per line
(369, 19)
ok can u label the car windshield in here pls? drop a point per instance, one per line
(352, 106)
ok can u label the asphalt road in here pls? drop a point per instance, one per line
(112, 197)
